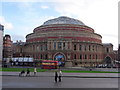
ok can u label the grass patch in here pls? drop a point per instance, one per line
(44, 70)
(20, 69)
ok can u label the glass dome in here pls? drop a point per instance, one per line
(63, 20)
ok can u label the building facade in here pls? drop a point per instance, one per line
(7, 46)
(1, 41)
(69, 41)
(119, 52)
(18, 48)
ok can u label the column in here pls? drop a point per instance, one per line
(48, 43)
(66, 45)
(62, 45)
(56, 45)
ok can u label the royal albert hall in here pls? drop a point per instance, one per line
(67, 40)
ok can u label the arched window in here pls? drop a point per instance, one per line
(108, 60)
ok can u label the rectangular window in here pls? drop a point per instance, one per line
(90, 56)
(59, 45)
(93, 56)
(41, 56)
(75, 47)
(55, 45)
(80, 56)
(85, 48)
(41, 47)
(96, 48)
(45, 47)
(85, 56)
(68, 45)
(80, 47)
(107, 50)
(46, 57)
(75, 56)
(89, 47)
(64, 45)
(93, 48)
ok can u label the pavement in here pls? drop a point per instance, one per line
(77, 75)
(94, 69)
(69, 80)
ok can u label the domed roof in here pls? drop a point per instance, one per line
(63, 20)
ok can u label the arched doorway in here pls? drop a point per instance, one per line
(108, 61)
(60, 57)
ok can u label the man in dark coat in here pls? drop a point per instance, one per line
(56, 76)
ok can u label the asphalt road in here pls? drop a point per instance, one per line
(67, 82)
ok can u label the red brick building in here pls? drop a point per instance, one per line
(18, 48)
(7, 46)
(67, 40)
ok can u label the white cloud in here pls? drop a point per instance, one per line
(16, 37)
(101, 15)
(7, 25)
(28, 28)
(44, 7)
(22, 0)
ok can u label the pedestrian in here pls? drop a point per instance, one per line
(22, 73)
(28, 72)
(35, 71)
(56, 76)
(60, 75)
(90, 69)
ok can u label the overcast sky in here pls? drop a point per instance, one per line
(20, 17)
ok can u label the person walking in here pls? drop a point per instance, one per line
(56, 76)
(22, 73)
(60, 75)
(35, 71)
(28, 72)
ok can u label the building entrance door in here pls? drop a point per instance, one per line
(108, 61)
(60, 58)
